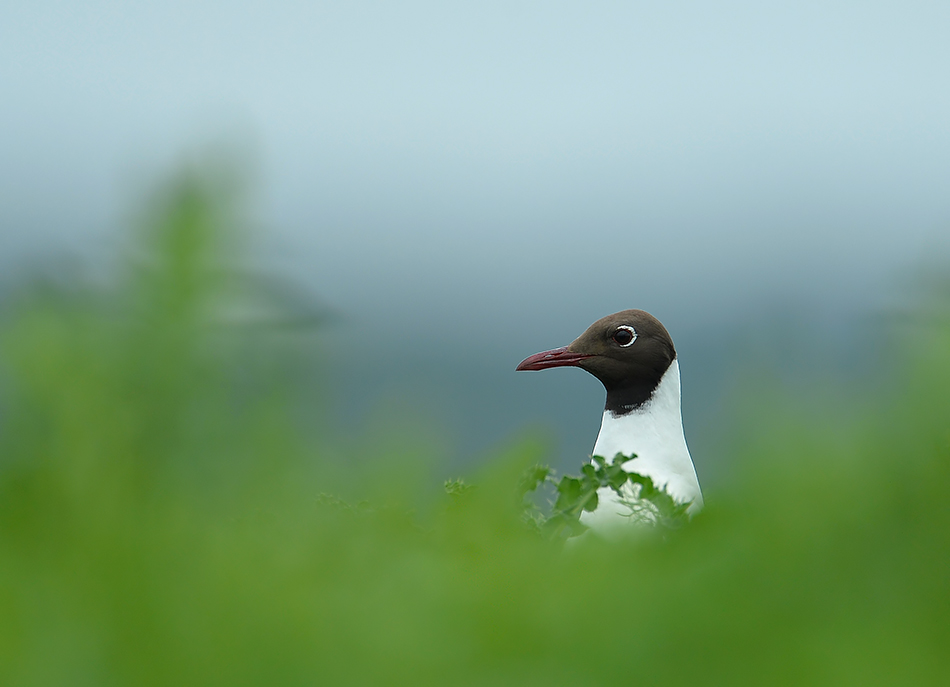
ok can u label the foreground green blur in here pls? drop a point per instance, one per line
(167, 518)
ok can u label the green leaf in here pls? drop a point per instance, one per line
(569, 493)
(617, 478)
(533, 478)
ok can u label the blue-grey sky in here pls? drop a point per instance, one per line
(500, 174)
(685, 156)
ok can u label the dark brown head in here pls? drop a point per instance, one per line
(628, 352)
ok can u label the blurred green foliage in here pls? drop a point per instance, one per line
(165, 519)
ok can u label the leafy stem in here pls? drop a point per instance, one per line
(645, 501)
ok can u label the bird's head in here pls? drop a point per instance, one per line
(628, 352)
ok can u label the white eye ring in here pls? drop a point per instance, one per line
(625, 328)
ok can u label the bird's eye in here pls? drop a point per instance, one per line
(624, 335)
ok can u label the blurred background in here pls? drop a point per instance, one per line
(266, 270)
(464, 185)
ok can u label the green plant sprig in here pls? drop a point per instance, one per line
(646, 502)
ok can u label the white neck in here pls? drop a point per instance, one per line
(654, 432)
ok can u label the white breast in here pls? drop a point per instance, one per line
(654, 432)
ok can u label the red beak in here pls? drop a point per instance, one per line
(559, 357)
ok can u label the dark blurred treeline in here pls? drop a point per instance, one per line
(169, 517)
